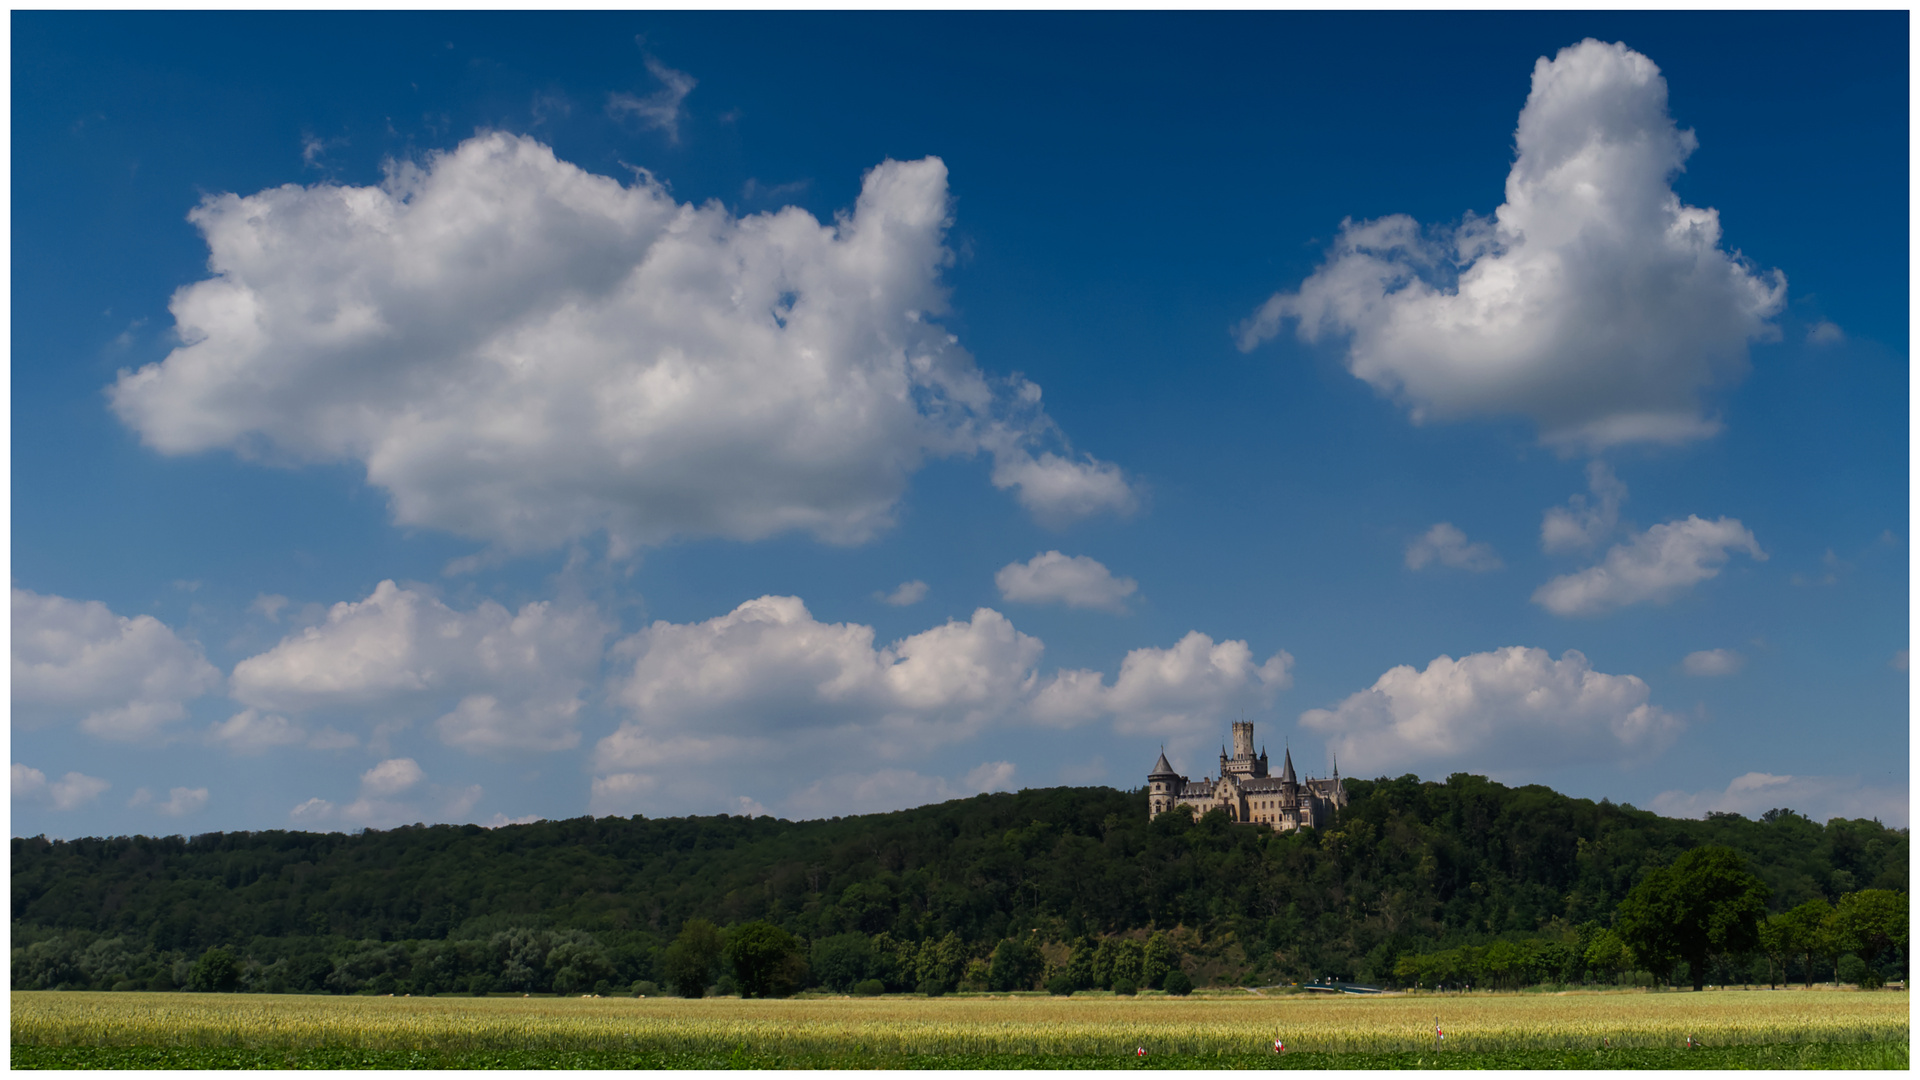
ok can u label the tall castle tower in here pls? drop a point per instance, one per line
(1163, 786)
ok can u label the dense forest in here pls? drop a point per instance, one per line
(1036, 883)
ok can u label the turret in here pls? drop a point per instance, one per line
(1163, 786)
(1286, 769)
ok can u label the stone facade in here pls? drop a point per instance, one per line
(1248, 794)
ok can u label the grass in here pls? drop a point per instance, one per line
(1788, 1029)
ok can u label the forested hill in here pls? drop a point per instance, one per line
(1408, 865)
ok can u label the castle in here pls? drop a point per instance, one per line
(1248, 794)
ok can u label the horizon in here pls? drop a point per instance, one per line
(508, 416)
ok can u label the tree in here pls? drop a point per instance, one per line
(842, 960)
(690, 959)
(1158, 961)
(215, 972)
(1869, 923)
(1774, 940)
(1805, 933)
(1706, 902)
(1016, 964)
(764, 958)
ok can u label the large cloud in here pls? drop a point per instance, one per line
(1180, 694)
(517, 677)
(1817, 797)
(1653, 567)
(522, 352)
(126, 678)
(1513, 708)
(770, 704)
(1595, 303)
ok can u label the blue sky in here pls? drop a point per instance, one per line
(475, 417)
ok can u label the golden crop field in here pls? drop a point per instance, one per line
(1083, 1024)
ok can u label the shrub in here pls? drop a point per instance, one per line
(869, 988)
(646, 988)
(933, 987)
(1060, 985)
(1178, 984)
(1851, 969)
(1125, 987)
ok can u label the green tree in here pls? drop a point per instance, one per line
(1805, 934)
(842, 960)
(1607, 955)
(765, 959)
(215, 972)
(1871, 922)
(1159, 960)
(1774, 944)
(1016, 965)
(1706, 902)
(691, 958)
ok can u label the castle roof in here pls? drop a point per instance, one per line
(1161, 768)
(1286, 771)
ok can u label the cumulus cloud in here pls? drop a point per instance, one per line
(1595, 303)
(250, 732)
(660, 109)
(752, 701)
(517, 678)
(1179, 694)
(182, 801)
(393, 792)
(126, 678)
(1446, 545)
(906, 595)
(1711, 662)
(1818, 797)
(1825, 333)
(1654, 567)
(1583, 525)
(524, 353)
(70, 792)
(1077, 581)
(1511, 708)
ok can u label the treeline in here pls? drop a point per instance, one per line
(1410, 868)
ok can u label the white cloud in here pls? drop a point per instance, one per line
(1581, 526)
(1511, 708)
(1825, 333)
(249, 732)
(499, 820)
(1711, 662)
(1181, 694)
(1595, 303)
(524, 353)
(391, 777)
(1077, 581)
(127, 677)
(182, 801)
(392, 792)
(1447, 545)
(1816, 797)
(906, 594)
(660, 109)
(517, 677)
(269, 605)
(70, 792)
(1654, 567)
(766, 701)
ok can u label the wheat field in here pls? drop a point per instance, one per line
(1083, 1024)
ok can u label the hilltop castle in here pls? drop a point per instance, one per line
(1248, 794)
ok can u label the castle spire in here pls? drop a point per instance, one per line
(1286, 770)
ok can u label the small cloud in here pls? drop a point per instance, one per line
(187, 586)
(1899, 661)
(749, 807)
(313, 148)
(907, 594)
(991, 776)
(1818, 797)
(755, 191)
(660, 109)
(182, 801)
(312, 811)
(1712, 662)
(70, 792)
(499, 820)
(1076, 581)
(1654, 567)
(141, 797)
(455, 803)
(1448, 546)
(391, 777)
(250, 732)
(1825, 333)
(1830, 575)
(269, 605)
(1580, 525)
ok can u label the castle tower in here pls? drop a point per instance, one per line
(1243, 740)
(1163, 786)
